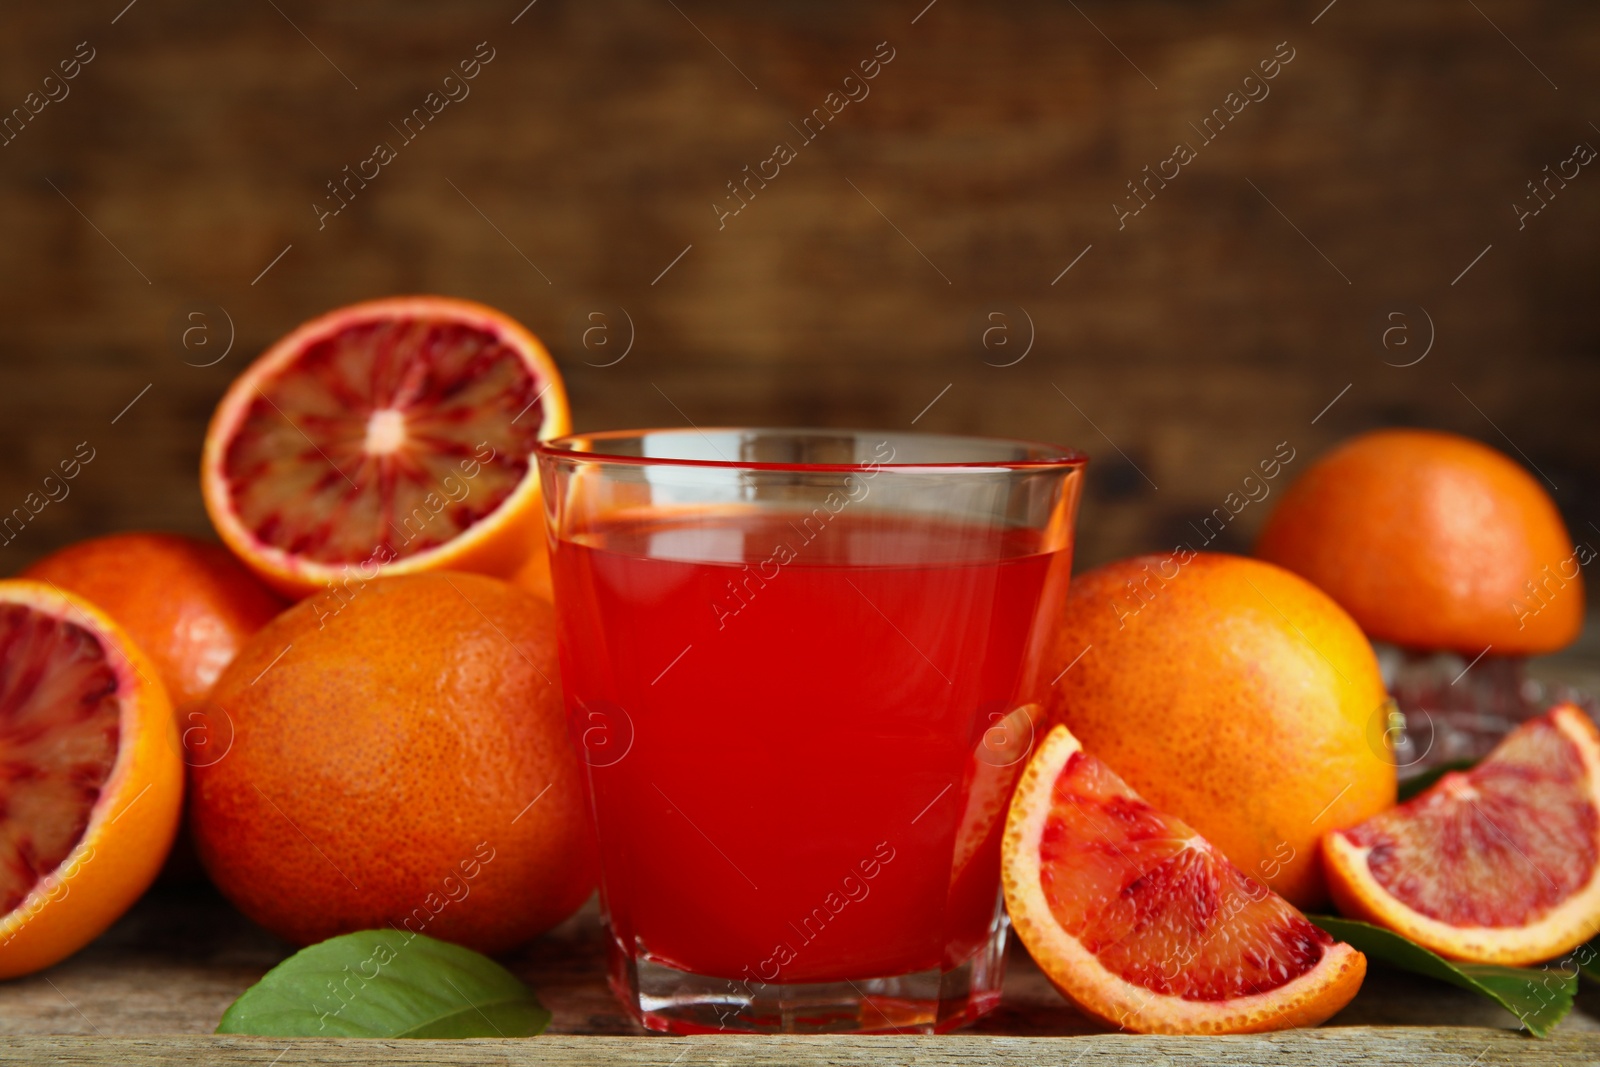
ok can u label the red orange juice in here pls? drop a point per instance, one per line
(798, 734)
(801, 667)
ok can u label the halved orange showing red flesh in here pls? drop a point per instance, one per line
(393, 435)
(1144, 924)
(1499, 864)
(91, 781)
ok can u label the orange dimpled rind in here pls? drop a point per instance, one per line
(1433, 541)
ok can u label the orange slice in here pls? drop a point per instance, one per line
(1144, 924)
(91, 781)
(1499, 864)
(393, 436)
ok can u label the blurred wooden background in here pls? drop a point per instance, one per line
(579, 177)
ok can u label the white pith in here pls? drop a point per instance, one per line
(386, 432)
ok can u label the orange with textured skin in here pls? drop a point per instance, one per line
(394, 435)
(93, 781)
(1144, 924)
(403, 760)
(1430, 540)
(1499, 864)
(1233, 695)
(188, 604)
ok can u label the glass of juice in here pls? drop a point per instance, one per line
(802, 668)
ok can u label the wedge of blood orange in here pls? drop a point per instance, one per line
(1144, 924)
(91, 780)
(1499, 864)
(393, 436)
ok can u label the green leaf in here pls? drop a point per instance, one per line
(1586, 957)
(386, 983)
(1539, 998)
(1410, 787)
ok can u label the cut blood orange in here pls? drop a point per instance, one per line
(1499, 864)
(1144, 924)
(394, 435)
(91, 781)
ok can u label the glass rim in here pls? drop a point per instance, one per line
(1050, 456)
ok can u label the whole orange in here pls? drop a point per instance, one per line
(400, 756)
(1234, 695)
(188, 604)
(1433, 541)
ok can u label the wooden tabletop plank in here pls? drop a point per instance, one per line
(1311, 1048)
(175, 962)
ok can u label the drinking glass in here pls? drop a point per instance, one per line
(802, 668)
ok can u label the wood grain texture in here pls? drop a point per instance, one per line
(1227, 316)
(854, 287)
(174, 963)
(1305, 1047)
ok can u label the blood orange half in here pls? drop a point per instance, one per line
(1499, 864)
(91, 782)
(1146, 925)
(394, 436)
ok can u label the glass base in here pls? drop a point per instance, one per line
(666, 999)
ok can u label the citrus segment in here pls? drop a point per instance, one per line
(1499, 864)
(86, 733)
(394, 434)
(1146, 925)
(59, 710)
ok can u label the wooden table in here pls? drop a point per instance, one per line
(151, 989)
